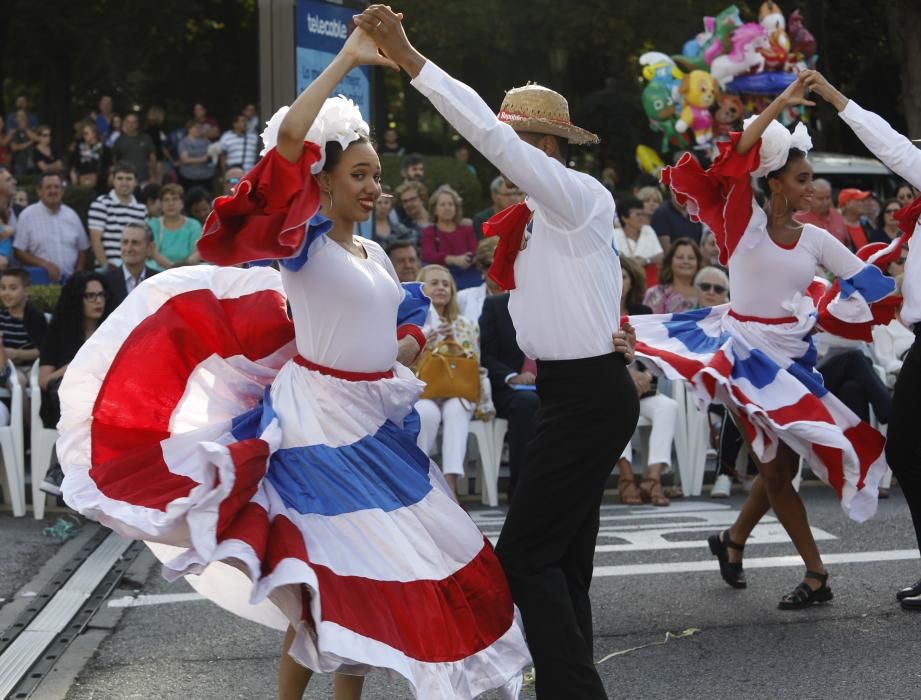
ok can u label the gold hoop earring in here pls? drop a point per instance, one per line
(330, 195)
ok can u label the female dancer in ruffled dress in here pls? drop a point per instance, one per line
(755, 354)
(903, 158)
(277, 460)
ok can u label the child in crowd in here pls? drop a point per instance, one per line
(22, 326)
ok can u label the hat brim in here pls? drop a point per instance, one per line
(572, 133)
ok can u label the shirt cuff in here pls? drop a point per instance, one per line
(429, 74)
(511, 376)
(408, 329)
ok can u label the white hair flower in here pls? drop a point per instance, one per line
(339, 120)
(776, 143)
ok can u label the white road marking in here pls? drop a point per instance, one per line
(755, 563)
(647, 528)
(154, 599)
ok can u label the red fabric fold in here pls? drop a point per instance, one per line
(721, 196)
(266, 218)
(509, 224)
(883, 311)
(908, 216)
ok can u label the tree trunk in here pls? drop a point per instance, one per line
(905, 33)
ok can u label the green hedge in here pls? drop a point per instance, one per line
(45, 296)
(440, 170)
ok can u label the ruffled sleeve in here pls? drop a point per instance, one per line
(267, 216)
(721, 196)
(853, 305)
(412, 313)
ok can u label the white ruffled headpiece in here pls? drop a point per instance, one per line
(339, 120)
(776, 143)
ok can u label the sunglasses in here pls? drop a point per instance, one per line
(233, 181)
(706, 287)
(892, 211)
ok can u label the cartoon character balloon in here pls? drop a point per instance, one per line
(699, 92)
(718, 31)
(662, 113)
(777, 52)
(744, 55)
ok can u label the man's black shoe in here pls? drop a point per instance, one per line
(52, 482)
(910, 592)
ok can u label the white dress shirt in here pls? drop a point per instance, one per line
(901, 156)
(131, 282)
(568, 281)
(470, 302)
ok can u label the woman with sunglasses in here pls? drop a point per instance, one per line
(890, 230)
(755, 355)
(712, 286)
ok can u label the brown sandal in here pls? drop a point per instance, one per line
(651, 490)
(629, 493)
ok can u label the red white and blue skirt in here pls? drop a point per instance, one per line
(763, 370)
(286, 492)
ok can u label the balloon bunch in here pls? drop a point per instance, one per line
(728, 71)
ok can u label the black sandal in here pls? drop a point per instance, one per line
(732, 572)
(803, 596)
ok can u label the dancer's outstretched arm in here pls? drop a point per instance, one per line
(562, 193)
(892, 148)
(794, 95)
(359, 50)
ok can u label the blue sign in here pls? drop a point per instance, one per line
(320, 32)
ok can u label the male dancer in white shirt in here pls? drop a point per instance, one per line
(903, 444)
(565, 304)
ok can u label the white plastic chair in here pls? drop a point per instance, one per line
(11, 445)
(692, 436)
(42, 441)
(484, 433)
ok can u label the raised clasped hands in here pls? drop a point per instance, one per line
(818, 83)
(362, 50)
(386, 28)
(795, 94)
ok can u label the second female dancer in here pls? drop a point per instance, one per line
(756, 354)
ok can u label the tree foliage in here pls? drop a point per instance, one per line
(174, 52)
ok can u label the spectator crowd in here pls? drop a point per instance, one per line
(153, 192)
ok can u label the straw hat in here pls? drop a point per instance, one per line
(543, 111)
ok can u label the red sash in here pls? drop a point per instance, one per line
(509, 224)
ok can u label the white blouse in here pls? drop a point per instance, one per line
(764, 277)
(568, 281)
(646, 246)
(345, 307)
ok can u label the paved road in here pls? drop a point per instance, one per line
(654, 576)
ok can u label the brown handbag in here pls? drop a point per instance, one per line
(449, 372)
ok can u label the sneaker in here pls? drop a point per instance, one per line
(721, 487)
(52, 482)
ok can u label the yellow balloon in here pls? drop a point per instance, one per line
(648, 160)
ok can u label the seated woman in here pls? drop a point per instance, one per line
(712, 286)
(449, 241)
(174, 234)
(675, 291)
(660, 410)
(81, 308)
(446, 323)
(637, 240)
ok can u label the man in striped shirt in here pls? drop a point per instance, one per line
(240, 146)
(111, 212)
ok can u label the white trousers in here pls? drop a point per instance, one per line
(662, 412)
(455, 418)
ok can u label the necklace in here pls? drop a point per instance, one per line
(353, 248)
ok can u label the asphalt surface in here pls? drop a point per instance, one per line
(862, 645)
